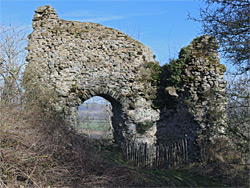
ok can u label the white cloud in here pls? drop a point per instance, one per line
(90, 16)
(102, 19)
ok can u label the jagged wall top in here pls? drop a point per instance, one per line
(46, 16)
(45, 12)
(79, 60)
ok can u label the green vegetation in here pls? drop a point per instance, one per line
(222, 68)
(177, 178)
(114, 155)
(151, 72)
(211, 45)
(155, 72)
(98, 125)
(142, 127)
(174, 69)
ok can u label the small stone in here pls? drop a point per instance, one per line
(171, 91)
(41, 9)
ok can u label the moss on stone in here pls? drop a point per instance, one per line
(29, 36)
(189, 79)
(175, 68)
(155, 72)
(142, 127)
(202, 46)
(150, 72)
(152, 96)
(222, 68)
(188, 102)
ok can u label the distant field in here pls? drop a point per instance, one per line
(93, 120)
(97, 129)
(98, 125)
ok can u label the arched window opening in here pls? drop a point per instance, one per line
(94, 118)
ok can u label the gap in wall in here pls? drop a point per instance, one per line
(94, 118)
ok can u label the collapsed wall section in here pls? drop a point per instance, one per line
(192, 95)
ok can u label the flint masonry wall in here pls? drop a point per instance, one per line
(81, 60)
(195, 108)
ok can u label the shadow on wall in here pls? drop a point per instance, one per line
(176, 124)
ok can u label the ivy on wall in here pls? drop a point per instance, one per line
(150, 71)
(173, 70)
(141, 128)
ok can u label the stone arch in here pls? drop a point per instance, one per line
(124, 112)
(102, 91)
(79, 60)
(119, 118)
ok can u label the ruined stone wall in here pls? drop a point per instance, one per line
(196, 107)
(81, 60)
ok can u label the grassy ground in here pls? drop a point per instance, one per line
(98, 125)
(39, 150)
(97, 129)
(180, 177)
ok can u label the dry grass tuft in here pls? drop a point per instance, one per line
(37, 149)
(224, 164)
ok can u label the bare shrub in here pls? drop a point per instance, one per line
(223, 162)
(12, 62)
(39, 149)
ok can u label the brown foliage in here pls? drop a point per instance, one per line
(37, 149)
(224, 163)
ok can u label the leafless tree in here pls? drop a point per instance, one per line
(228, 21)
(238, 125)
(12, 62)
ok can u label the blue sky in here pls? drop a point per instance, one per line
(162, 25)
